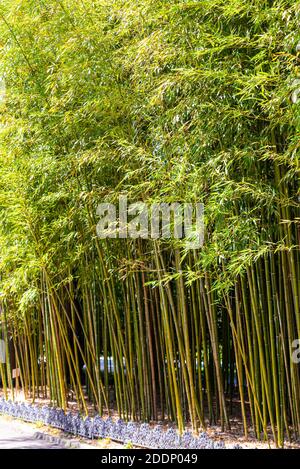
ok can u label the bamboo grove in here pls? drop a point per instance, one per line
(169, 101)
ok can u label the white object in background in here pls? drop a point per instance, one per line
(2, 351)
(2, 90)
(16, 373)
(296, 92)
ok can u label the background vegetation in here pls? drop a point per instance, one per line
(164, 101)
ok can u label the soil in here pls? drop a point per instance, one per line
(230, 437)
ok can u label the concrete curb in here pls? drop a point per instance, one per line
(65, 443)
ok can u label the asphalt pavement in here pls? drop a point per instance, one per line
(18, 435)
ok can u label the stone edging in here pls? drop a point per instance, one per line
(57, 440)
(98, 427)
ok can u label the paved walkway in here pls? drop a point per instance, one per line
(18, 435)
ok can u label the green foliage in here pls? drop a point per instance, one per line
(164, 101)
